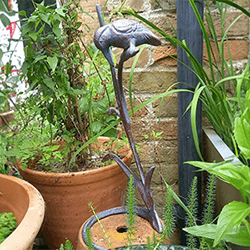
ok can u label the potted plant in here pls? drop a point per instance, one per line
(28, 207)
(60, 121)
(233, 224)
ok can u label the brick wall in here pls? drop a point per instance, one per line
(156, 70)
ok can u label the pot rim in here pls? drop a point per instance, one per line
(78, 173)
(25, 233)
(6, 112)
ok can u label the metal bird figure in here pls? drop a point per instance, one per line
(128, 34)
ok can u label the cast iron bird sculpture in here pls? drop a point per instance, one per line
(128, 34)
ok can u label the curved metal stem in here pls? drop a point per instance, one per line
(126, 120)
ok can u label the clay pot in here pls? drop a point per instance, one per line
(27, 205)
(67, 196)
(114, 222)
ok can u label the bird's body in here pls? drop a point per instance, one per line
(126, 34)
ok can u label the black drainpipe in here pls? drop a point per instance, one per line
(187, 28)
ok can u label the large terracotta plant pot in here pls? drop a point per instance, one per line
(114, 223)
(67, 196)
(27, 205)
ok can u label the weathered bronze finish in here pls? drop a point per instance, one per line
(128, 34)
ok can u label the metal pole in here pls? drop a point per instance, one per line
(187, 28)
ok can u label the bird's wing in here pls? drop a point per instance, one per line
(124, 26)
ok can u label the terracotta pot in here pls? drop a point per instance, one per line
(27, 205)
(67, 196)
(114, 222)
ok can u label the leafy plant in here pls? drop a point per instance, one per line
(233, 225)
(64, 70)
(5, 13)
(204, 238)
(69, 89)
(209, 206)
(229, 226)
(213, 86)
(7, 225)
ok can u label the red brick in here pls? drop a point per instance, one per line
(142, 60)
(239, 28)
(163, 4)
(239, 50)
(164, 55)
(243, 3)
(167, 23)
(136, 5)
(166, 108)
(89, 5)
(153, 81)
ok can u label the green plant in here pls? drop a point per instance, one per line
(214, 84)
(192, 206)
(204, 238)
(169, 215)
(233, 225)
(130, 208)
(5, 13)
(65, 71)
(209, 206)
(66, 246)
(4, 154)
(89, 240)
(7, 225)
(103, 229)
(219, 107)
(69, 89)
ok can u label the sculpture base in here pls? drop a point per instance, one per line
(115, 226)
